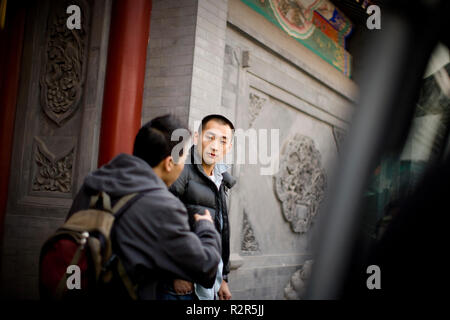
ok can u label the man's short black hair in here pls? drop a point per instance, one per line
(154, 143)
(219, 118)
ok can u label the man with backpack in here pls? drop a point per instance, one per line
(152, 238)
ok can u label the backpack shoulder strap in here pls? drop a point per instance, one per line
(106, 201)
(119, 208)
(124, 203)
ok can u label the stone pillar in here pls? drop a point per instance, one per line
(206, 92)
(169, 59)
(185, 59)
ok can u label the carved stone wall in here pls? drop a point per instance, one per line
(255, 106)
(339, 135)
(271, 216)
(56, 130)
(296, 288)
(53, 171)
(64, 68)
(249, 243)
(300, 182)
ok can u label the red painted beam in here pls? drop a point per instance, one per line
(124, 82)
(11, 43)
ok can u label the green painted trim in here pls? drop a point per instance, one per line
(311, 42)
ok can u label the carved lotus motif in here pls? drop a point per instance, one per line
(300, 183)
(53, 171)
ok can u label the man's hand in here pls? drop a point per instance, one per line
(224, 291)
(182, 286)
(206, 216)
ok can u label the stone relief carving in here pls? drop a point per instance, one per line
(249, 243)
(296, 287)
(339, 135)
(254, 107)
(63, 72)
(300, 183)
(53, 173)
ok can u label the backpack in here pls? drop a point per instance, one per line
(77, 261)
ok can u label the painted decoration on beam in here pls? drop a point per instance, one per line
(317, 24)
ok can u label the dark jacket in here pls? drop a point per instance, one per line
(153, 238)
(198, 192)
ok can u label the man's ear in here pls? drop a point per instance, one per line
(168, 163)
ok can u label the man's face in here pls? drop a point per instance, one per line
(216, 141)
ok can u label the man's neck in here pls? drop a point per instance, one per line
(208, 168)
(159, 172)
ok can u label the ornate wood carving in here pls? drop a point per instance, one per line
(300, 183)
(53, 172)
(63, 72)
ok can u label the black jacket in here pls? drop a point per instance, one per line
(198, 192)
(153, 237)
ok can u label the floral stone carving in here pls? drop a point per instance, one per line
(300, 183)
(63, 72)
(249, 243)
(255, 107)
(296, 287)
(339, 135)
(53, 173)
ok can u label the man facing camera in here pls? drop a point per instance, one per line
(203, 185)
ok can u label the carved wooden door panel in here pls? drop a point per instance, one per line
(56, 130)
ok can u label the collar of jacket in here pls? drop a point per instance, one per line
(228, 180)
